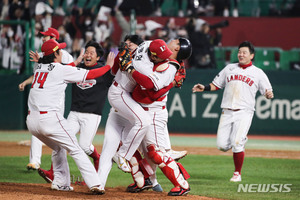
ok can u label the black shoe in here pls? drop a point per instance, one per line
(133, 188)
(178, 192)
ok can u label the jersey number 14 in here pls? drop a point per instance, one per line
(40, 78)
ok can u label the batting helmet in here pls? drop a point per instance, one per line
(185, 49)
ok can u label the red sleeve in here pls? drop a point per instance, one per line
(216, 87)
(142, 80)
(95, 73)
(72, 64)
(155, 95)
(115, 67)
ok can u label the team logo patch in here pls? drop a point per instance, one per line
(86, 84)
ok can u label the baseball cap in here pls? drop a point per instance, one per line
(51, 46)
(160, 49)
(51, 32)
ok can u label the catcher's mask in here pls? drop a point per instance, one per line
(185, 49)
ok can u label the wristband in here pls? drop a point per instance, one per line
(207, 88)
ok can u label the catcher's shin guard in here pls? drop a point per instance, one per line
(172, 172)
(168, 166)
(140, 169)
(183, 171)
(155, 155)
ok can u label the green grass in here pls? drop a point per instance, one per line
(14, 136)
(209, 175)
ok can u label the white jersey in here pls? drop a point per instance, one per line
(161, 80)
(142, 64)
(241, 86)
(66, 58)
(48, 87)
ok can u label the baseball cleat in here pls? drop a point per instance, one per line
(157, 188)
(97, 190)
(47, 175)
(61, 188)
(176, 155)
(236, 177)
(122, 163)
(133, 188)
(178, 191)
(33, 166)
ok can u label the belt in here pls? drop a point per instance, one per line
(41, 112)
(156, 108)
(233, 109)
(115, 83)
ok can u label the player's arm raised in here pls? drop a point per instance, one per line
(34, 56)
(80, 57)
(95, 73)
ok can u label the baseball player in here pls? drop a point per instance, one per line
(36, 145)
(154, 143)
(119, 93)
(126, 111)
(46, 122)
(88, 99)
(240, 81)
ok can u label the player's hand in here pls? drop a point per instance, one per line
(124, 56)
(198, 88)
(34, 56)
(110, 59)
(80, 57)
(269, 94)
(180, 77)
(22, 86)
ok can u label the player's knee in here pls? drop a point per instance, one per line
(86, 148)
(223, 147)
(143, 122)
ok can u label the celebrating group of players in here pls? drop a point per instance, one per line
(136, 82)
(136, 134)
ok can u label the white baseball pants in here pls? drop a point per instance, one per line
(87, 124)
(233, 129)
(53, 129)
(116, 130)
(128, 108)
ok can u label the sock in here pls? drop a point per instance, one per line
(96, 156)
(51, 169)
(238, 159)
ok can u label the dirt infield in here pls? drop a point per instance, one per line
(16, 191)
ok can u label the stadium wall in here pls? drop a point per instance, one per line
(188, 112)
(263, 31)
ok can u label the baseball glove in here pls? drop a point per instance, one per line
(180, 77)
(124, 57)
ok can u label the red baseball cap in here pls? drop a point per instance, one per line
(160, 49)
(51, 46)
(51, 32)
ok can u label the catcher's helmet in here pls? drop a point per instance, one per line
(185, 49)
